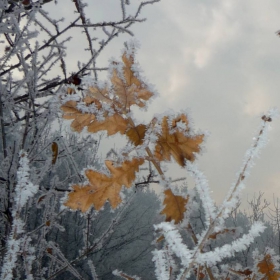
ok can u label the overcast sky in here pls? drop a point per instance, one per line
(220, 60)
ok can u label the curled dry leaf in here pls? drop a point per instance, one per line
(41, 198)
(245, 272)
(102, 187)
(54, 152)
(174, 142)
(175, 207)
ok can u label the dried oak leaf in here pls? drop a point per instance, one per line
(100, 93)
(266, 267)
(175, 207)
(173, 141)
(128, 88)
(113, 124)
(136, 134)
(102, 187)
(80, 119)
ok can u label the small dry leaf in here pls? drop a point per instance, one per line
(102, 187)
(176, 143)
(160, 239)
(266, 267)
(215, 234)
(48, 223)
(125, 276)
(54, 152)
(70, 91)
(41, 198)
(246, 272)
(136, 134)
(175, 207)
(200, 275)
(49, 250)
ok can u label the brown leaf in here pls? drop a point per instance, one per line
(81, 120)
(175, 143)
(129, 89)
(102, 94)
(160, 239)
(175, 207)
(41, 198)
(70, 91)
(136, 134)
(49, 250)
(112, 124)
(246, 272)
(125, 276)
(266, 267)
(102, 187)
(200, 274)
(54, 152)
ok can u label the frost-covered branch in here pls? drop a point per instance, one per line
(24, 190)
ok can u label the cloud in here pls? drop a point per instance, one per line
(257, 102)
(222, 60)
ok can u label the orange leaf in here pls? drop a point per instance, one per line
(112, 124)
(136, 134)
(102, 187)
(174, 142)
(266, 267)
(175, 207)
(129, 89)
